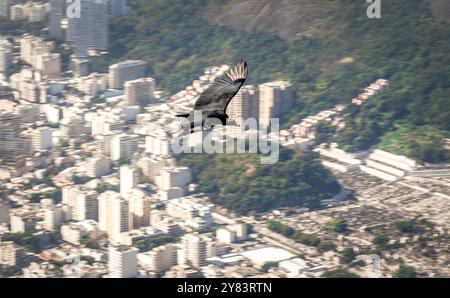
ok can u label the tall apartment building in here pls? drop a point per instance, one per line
(11, 254)
(73, 127)
(122, 261)
(174, 177)
(9, 134)
(275, 98)
(139, 92)
(194, 247)
(124, 71)
(6, 55)
(30, 11)
(32, 46)
(81, 204)
(159, 259)
(89, 31)
(130, 176)
(55, 18)
(123, 146)
(97, 167)
(244, 105)
(4, 212)
(53, 217)
(158, 143)
(113, 214)
(29, 113)
(151, 166)
(139, 205)
(42, 139)
(49, 64)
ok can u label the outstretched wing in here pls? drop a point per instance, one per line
(219, 95)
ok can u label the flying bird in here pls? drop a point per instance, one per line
(213, 101)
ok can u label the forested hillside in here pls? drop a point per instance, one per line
(408, 46)
(239, 182)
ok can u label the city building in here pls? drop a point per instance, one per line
(80, 204)
(174, 177)
(244, 105)
(123, 147)
(89, 32)
(194, 247)
(124, 71)
(53, 217)
(160, 259)
(275, 98)
(4, 212)
(226, 235)
(42, 139)
(6, 55)
(113, 214)
(122, 261)
(139, 92)
(130, 176)
(74, 232)
(11, 254)
(97, 167)
(139, 205)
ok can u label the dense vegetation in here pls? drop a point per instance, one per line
(298, 236)
(407, 46)
(239, 182)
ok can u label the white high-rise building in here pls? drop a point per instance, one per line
(97, 167)
(129, 178)
(122, 261)
(123, 147)
(174, 177)
(124, 71)
(275, 98)
(81, 204)
(158, 143)
(4, 212)
(53, 217)
(139, 92)
(139, 205)
(159, 259)
(6, 55)
(194, 247)
(113, 214)
(89, 31)
(244, 105)
(152, 166)
(29, 113)
(49, 64)
(11, 254)
(42, 139)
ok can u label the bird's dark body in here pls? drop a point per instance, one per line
(213, 101)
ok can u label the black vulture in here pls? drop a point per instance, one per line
(213, 101)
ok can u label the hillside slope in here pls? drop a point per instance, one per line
(409, 46)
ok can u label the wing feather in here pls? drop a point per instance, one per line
(219, 95)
